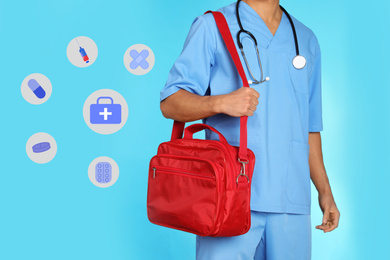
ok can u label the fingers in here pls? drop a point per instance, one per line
(254, 102)
(326, 222)
(332, 222)
(243, 102)
(326, 216)
(324, 227)
(251, 91)
(329, 227)
(335, 217)
(251, 97)
(255, 93)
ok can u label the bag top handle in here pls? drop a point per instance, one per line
(194, 128)
(178, 127)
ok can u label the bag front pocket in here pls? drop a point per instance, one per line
(298, 175)
(183, 193)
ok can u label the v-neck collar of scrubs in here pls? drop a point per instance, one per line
(252, 22)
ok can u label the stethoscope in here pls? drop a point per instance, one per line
(298, 62)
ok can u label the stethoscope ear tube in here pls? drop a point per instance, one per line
(299, 62)
(293, 29)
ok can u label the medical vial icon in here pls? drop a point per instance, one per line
(105, 111)
(77, 51)
(36, 88)
(139, 59)
(103, 172)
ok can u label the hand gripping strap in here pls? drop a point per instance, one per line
(178, 127)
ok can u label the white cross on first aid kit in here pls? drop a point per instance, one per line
(105, 113)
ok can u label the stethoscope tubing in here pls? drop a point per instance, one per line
(240, 46)
(293, 29)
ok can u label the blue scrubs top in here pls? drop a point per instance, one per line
(289, 104)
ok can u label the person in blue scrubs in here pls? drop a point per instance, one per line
(284, 124)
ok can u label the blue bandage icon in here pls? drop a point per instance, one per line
(139, 59)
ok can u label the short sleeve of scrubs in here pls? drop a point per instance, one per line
(315, 103)
(191, 71)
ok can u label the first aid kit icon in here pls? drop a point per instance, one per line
(105, 113)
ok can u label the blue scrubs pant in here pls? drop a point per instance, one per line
(272, 236)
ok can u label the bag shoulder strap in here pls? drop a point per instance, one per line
(178, 127)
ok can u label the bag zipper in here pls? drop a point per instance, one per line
(185, 157)
(180, 172)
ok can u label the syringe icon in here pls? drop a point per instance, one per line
(83, 53)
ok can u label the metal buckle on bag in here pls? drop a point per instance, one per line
(242, 171)
(154, 172)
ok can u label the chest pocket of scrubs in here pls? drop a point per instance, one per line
(299, 78)
(298, 175)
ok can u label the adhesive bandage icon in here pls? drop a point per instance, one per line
(139, 59)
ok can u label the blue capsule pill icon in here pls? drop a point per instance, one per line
(36, 88)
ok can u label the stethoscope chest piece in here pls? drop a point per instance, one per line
(299, 62)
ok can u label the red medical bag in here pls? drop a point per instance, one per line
(203, 186)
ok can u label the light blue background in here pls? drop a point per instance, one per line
(53, 211)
